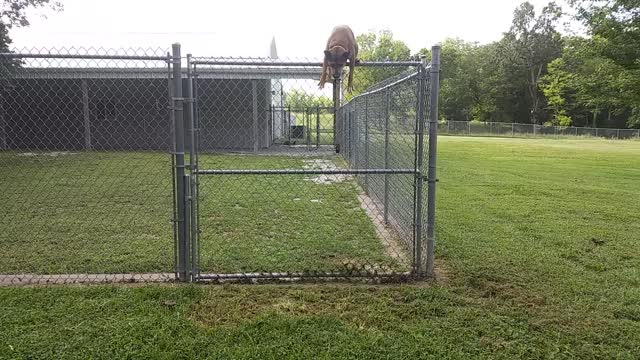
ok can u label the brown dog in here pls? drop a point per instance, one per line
(341, 47)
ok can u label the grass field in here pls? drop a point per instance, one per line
(537, 247)
(110, 213)
(284, 223)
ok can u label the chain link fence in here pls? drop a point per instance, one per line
(153, 166)
(470, 128)
(85, 143)
(272, 204)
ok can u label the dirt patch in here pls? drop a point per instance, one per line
(323, 179)
(388, 237)
(442, 274)
(66, 279)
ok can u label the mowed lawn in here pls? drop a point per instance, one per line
(538, 256)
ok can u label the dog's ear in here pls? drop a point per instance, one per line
(345, 56)
(327, 54)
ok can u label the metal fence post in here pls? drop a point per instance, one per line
(433, 141)
(387, 114)
(196, 123)
(356, 138)
(254, 113)
(289, 123)
(3, 128)
(317, 127)
(336, 107)
(193, 195)
(366, 143)
(308, 129)
(178, 110)
(85, 113)
(419, 176)
(346, 122)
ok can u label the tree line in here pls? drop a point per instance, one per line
(533, 74)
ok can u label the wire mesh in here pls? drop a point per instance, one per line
(260, 127)
(86, 167)
(278, 182)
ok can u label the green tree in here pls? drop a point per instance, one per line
(459, 87)
(299, 99)
(616, 25)
(555, 85)
(378, 47)
(13, 14)
(529, 45)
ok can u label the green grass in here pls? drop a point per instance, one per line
(110, 213)
(85, 212)
(282, 223)
(538, 239)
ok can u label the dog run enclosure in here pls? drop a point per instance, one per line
(251, 170)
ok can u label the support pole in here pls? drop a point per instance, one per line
(4, 145)
(336, 109)
(193, 197)
(178, 110)
(433, 141)
(317, 127)
(418, 180)
(387, 114)
(366, 143)
(289, 124)
(254, 112)
(85, 113)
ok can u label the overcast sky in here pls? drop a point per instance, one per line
(245, 28)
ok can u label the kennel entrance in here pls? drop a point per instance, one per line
(260, 208)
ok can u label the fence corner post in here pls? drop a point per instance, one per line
(419, 265)
(433, 141)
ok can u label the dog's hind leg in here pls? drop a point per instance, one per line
(323, 76)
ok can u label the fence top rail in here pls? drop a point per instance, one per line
(254, 62)
(82, 56)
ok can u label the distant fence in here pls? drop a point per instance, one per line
(516, 130)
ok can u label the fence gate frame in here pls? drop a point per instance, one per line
(186, 175)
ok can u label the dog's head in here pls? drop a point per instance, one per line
(337, 57)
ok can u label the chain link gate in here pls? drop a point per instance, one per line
(252, 204)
